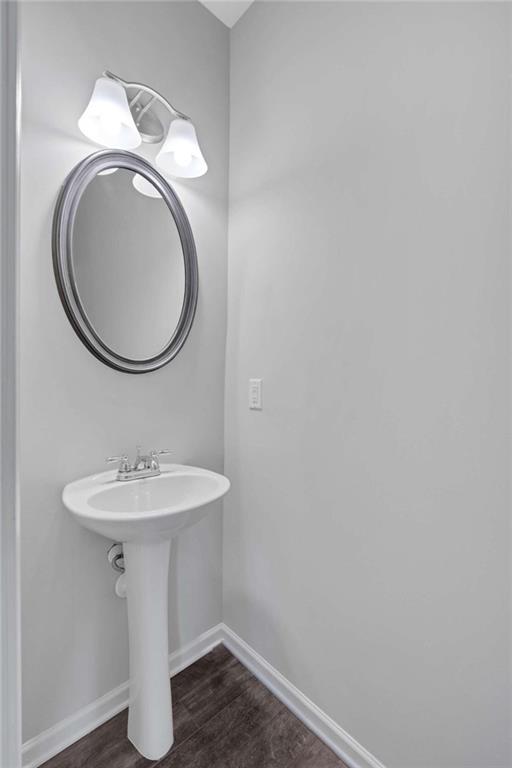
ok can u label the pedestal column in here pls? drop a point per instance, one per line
(150, 727)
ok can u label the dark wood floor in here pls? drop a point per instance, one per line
(223, 718)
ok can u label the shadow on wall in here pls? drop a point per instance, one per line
(256, 617)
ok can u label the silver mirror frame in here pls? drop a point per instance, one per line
(62, 248)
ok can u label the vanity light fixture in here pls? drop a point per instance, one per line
(120, 115)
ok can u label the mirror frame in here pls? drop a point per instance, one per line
(62, 248)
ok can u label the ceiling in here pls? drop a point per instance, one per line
(228, 11)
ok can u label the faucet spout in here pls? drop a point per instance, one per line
(144, 465)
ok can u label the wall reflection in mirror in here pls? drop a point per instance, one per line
(128, 266)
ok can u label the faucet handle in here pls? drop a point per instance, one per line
(123, 461)
(155, 456)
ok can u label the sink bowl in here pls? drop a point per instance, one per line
(145, 515)
(151, 508)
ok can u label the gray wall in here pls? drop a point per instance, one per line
(367, 534)
(74, 410)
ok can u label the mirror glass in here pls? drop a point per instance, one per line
(127, 265)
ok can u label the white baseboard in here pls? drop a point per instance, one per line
(195, 650)
(49, 743)
(341, 742)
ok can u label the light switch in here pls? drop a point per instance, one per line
(255, 394)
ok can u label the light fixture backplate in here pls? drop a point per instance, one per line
(149, 125)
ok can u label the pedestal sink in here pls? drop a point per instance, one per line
(145, 515)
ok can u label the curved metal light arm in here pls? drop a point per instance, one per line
(147, 89)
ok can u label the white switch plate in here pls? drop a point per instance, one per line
(255, 394)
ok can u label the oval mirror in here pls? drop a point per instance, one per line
(125, 261)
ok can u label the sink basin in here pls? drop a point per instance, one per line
(151, 508)
(145, 515)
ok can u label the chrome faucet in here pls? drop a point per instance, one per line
(145, 465)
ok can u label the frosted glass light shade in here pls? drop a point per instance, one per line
(181, 155)
(143, 186)
(107, 119)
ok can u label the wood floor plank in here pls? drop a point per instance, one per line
(108, 746)
(105, 747)
(218, 742)
(216, 690)
(223, 718)
(317, 755)
(200, 671)
(278, 744)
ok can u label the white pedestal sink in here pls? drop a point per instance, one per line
(145, 515)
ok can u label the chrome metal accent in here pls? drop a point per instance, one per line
(124, 464)
(115, 557)
(147, 121)
(144, 465)
(147, 89)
